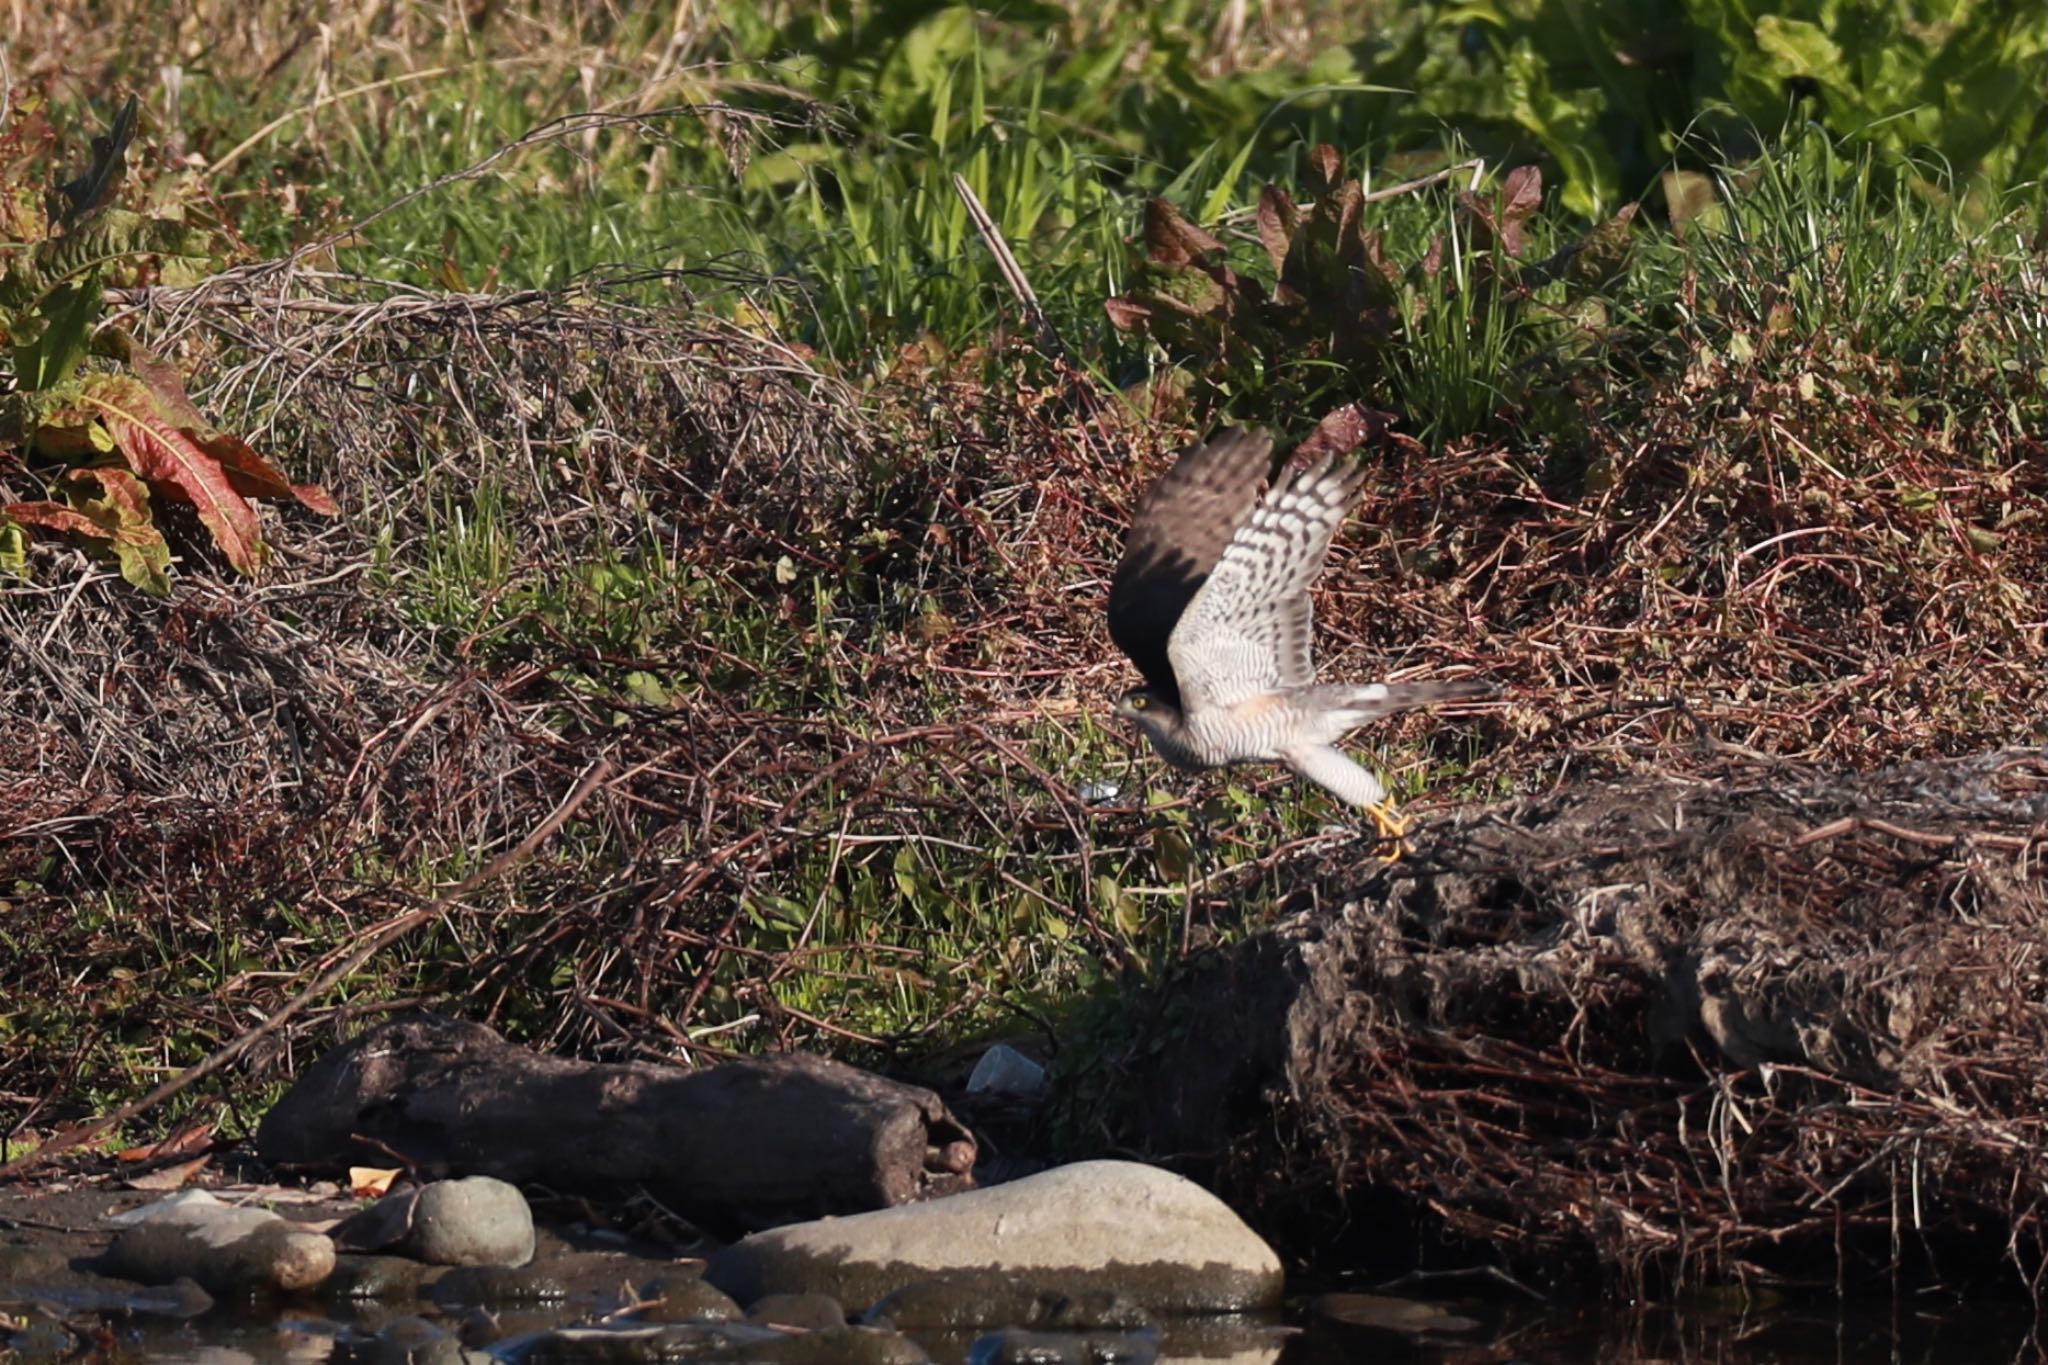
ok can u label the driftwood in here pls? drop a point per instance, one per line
(1775, 1026)
(736, 1147)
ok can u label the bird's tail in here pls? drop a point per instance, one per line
(1354, 704)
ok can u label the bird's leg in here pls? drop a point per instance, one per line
(1391, 826)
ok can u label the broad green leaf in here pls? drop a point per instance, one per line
(51, 341)
(646, 688)
(1171, 852)
(1801, 50)
(13, 547)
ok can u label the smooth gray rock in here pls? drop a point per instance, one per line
(686, 1298)
(1161, 1241)
(478, 1220)
(225, 1249)
(805, 1312)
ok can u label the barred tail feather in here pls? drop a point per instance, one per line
(1354, 704)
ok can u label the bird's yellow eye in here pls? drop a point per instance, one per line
(1140, 702)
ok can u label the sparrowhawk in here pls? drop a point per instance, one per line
(1211, 603)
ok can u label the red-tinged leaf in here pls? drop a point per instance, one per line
(1279, 220)
(1170, 239)
(1521, 195)
(1433, 259)
(255, 477)
(193, 1137)
(171, 460)
(1126, 315)
(122, 514)
(123, 492)
(164, 381)
(55, 516)
(1327, 162)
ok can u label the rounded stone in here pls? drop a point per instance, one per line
(1160, 1241)
(807, 1312)
(478, 1220)
(686, 1298)
(225, 1249)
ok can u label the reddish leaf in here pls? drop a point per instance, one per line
(122, 490)
(193, 1137)
(169, 458)
(1279, 220)
(165, 382)
(255, 477)
(1170, 239)
(1521, 195)
(1327, 162)
(1126, 314)
(121, 514)
(55, 516)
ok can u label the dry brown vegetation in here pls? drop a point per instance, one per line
(669, 687)
(1760, 1024)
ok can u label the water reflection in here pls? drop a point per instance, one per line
(1784, 1335)
(1450, 1333)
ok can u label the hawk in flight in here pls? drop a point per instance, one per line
(1211, 603)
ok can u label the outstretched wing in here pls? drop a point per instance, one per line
(1249, 627)
(1180, 530)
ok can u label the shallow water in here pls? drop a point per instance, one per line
(1491, 1333)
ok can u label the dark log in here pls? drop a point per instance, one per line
(735, 1147)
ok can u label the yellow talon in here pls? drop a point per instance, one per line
(1392, 828)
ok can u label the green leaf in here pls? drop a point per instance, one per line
(13, 547)
(1171, 852)
(50, 343)
(646, 688)
(1801, 50)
